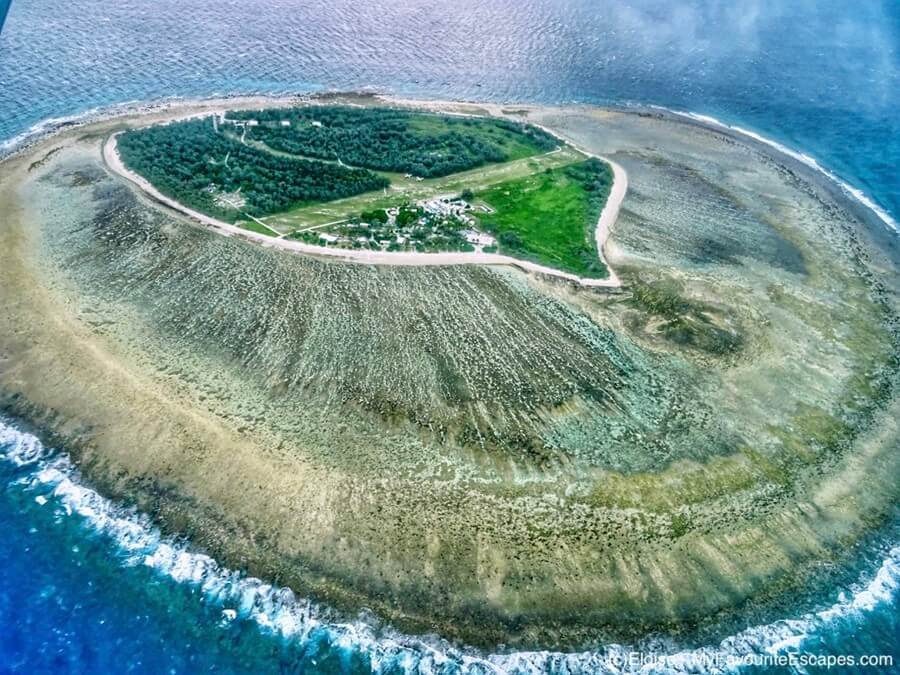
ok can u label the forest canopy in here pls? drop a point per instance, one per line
(426, 145)
(212, 171)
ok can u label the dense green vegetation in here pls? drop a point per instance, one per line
(219, 175)
(422, 144)
(550, 217)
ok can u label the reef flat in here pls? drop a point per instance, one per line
(499, 457)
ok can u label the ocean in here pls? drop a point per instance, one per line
(87, 586)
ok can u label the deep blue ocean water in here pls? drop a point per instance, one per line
(87, 588)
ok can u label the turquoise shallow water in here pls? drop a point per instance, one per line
(85, 587)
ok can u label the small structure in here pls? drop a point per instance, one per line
(444, 206)
(328, 238)
(477, 238)
(285, 123)
(437, 206)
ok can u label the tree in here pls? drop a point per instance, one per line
(510, 240)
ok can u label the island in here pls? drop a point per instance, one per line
(495, 448)
(377, 179)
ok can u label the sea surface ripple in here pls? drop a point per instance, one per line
(89, 586)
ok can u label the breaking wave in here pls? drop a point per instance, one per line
(56, 483)
(53, 125)
(849, 190)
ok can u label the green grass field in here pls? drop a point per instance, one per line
(253, 226)
(550, 217)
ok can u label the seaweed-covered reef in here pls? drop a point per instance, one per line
(499, 457)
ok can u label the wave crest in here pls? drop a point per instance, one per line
(277, 610)
(849, 190)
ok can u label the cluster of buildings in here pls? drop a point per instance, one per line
(440, 219)
(447, 206)
(455, 207)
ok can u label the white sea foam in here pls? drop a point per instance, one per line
(277, 610)
(53, 125)
(853, 192)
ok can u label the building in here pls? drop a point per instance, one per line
(477, 238)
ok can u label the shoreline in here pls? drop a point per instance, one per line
(277, 609)
(602, 231)
(806, 161)
(863, 204)
(205, 544)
